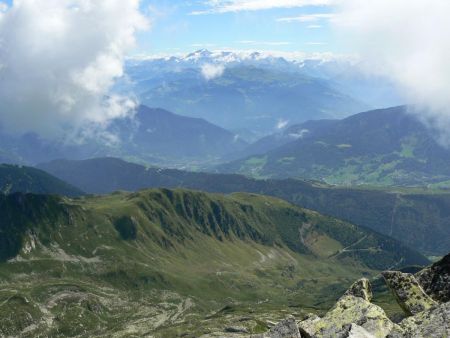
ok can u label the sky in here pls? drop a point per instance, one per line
(184, 26)
(60, 58)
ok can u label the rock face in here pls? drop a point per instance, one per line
(431, 323)
(362, 289)
(435, 280)
(408, 292)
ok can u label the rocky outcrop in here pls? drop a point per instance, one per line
(354, 316)
(431, 323)
(349, 310)
(408, 292)
(435, 280)
(353, 313)
(361, 288)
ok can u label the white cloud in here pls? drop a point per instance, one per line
(225, 6)
(281, 124)
(407, 40)
(307, 18)
(299, 134)
(211, 71)
(3, 7)
(59, 60)
(314, 26)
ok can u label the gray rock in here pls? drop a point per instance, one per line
(285, 329)
(361, 288)
(236, 329)
(349, 309)
(434, 322)
(435, 280)
(356, 331)
(408, 292)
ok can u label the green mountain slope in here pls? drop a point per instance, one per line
(418, 219)
(380, 147)
(27, 179)
(163, 262)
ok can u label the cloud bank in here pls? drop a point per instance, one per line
(58, 61)
(407, 40)
(211, 71)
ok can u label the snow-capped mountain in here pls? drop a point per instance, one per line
(253, 90)
(324, 64)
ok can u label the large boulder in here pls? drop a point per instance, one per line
(434, 322)
(349, 309)
(435, 280)
(408, 292)
(361, 288)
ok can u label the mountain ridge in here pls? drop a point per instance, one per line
(417, 218)
(380, 147)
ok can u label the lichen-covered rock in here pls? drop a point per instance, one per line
(408, 292)
(430, 323)
(361, 288)
(356, 331)
(307, 327)
(435, 280)
(349, 309)
(285, 329)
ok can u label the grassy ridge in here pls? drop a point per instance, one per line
(165, 261)
(418, 218)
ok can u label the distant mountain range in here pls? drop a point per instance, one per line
(256, 91)
(161, 137)
(380, 147)
(418, 219)
(110, 265)
(151, 136)
(386, 147)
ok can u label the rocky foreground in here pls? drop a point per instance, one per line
(424, 298)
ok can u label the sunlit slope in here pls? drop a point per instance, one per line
(382, 147)
(136, 263)
(419, 218)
